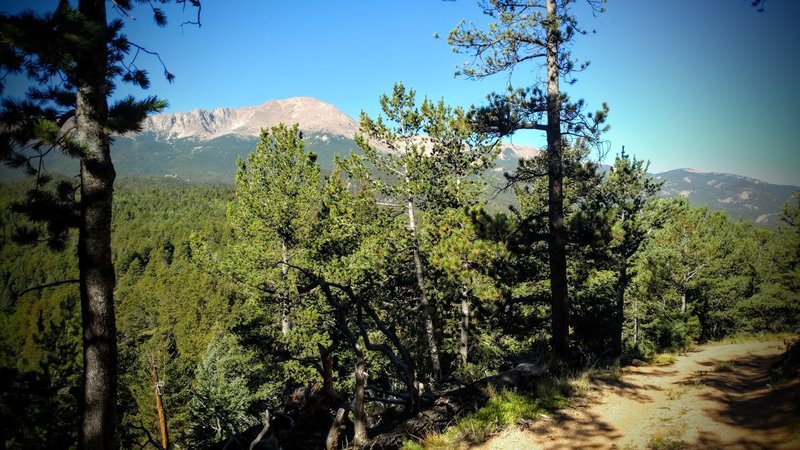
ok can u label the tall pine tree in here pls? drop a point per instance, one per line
(73, 58)
(627, 191)
(277, 195)
(422, 160)
(524, 32)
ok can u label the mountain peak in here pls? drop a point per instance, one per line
(313, 116)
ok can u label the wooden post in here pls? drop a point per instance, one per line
(162, 416)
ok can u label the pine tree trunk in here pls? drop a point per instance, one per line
(414, 393)
(683, 301)
(682, 288)
(359, 415)
(327, 370)
(97, 302)
(464, 326)
(285, 305)
(98, 404)
(622, 283)
(427, 314)
(555, 172)
(162, 415)
(635, 323)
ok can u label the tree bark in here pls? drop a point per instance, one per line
(359, 415)
(285, 305)
(555, 172)
(263, 432)
(683, 301)
(635, 323)
(683, 288)
(427, 314)
(327, 370)
(622, 283)
(98, 403)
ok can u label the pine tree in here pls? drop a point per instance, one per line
(460, 153)
(586, 225)
(277, 197)
(73, 58)
(627, 191)
(220, 394)
(672, 269)
(466, 260)
(404, 161)
(422, 159)
(524, 32)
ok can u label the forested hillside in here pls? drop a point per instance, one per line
(741, 197)
(202, 292)
(168, 309)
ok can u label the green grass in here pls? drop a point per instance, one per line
(669, 438)
(412, 445)
(724, 366)
(675, 393)
(507, 408)
(742, 338)
(663, 359)
(502, 409)
(665, 441)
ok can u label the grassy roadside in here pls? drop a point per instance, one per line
(742, 338)
(508, 408)
(512, 408)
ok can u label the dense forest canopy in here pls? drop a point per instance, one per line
(198, 299)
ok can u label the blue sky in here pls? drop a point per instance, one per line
(707, 84)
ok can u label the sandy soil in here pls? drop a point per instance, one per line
(694, 403)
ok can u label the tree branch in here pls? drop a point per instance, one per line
(43, 286)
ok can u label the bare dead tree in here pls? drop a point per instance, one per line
(162, 415)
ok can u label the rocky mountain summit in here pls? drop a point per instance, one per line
(318, 120)
(314, 116)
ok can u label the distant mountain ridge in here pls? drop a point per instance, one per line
(742, 197)
(314, 116)
(204, 144)
(317, 120)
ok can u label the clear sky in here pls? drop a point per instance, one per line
(706, 84)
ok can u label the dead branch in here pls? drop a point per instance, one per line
(263, 432)
(332, 441)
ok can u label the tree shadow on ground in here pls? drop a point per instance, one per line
(742, 390)
(747, 398)
(631, 390)
(750, 399)
(581, 428)
(579, 432)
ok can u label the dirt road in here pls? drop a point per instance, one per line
(717, 397)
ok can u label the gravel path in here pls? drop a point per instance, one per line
(716, 397)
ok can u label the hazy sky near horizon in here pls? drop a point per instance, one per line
(706, 84)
